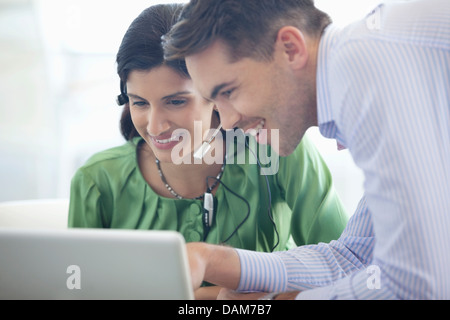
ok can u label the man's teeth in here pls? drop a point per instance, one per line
(255, 131)
(260, 124)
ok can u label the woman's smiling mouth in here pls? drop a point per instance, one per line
(161, 142)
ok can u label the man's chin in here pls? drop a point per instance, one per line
(282, 151)
(286, 148)
(283, 147)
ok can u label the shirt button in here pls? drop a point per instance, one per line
(195, 208)
(194, 236)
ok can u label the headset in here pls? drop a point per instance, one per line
(206, 145)
(122, 98)
(208, 198)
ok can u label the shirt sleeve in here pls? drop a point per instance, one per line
(318, 214)
(85, 206)
(311, 266)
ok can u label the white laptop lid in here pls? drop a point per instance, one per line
(93, 264)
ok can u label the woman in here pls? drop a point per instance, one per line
(139, 185)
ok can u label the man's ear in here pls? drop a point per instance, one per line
(292, 46)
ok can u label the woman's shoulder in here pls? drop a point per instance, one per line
(119, 153)
(111, 160)
(108, 167)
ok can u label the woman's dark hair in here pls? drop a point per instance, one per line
(141, 49)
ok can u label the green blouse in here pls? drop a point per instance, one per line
(109, 191)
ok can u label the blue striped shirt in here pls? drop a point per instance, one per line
(383, 91)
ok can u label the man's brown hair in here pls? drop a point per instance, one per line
(249, 28)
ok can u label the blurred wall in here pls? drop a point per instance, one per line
(58, 87)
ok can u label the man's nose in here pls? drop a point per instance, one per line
(228, 116)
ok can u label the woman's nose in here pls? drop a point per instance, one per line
(157, 122)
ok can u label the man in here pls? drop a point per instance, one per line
(380, 87)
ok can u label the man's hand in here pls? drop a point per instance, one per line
(227, 294)
(207, 293)
(215, 264)
(196, 263)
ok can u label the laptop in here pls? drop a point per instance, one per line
(93, 264)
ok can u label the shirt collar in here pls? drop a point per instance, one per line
(325, 115)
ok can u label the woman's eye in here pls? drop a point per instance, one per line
(176, 102)
(139, 103)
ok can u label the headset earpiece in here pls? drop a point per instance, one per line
(122, 99)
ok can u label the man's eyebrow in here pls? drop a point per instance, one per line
(215, 91)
